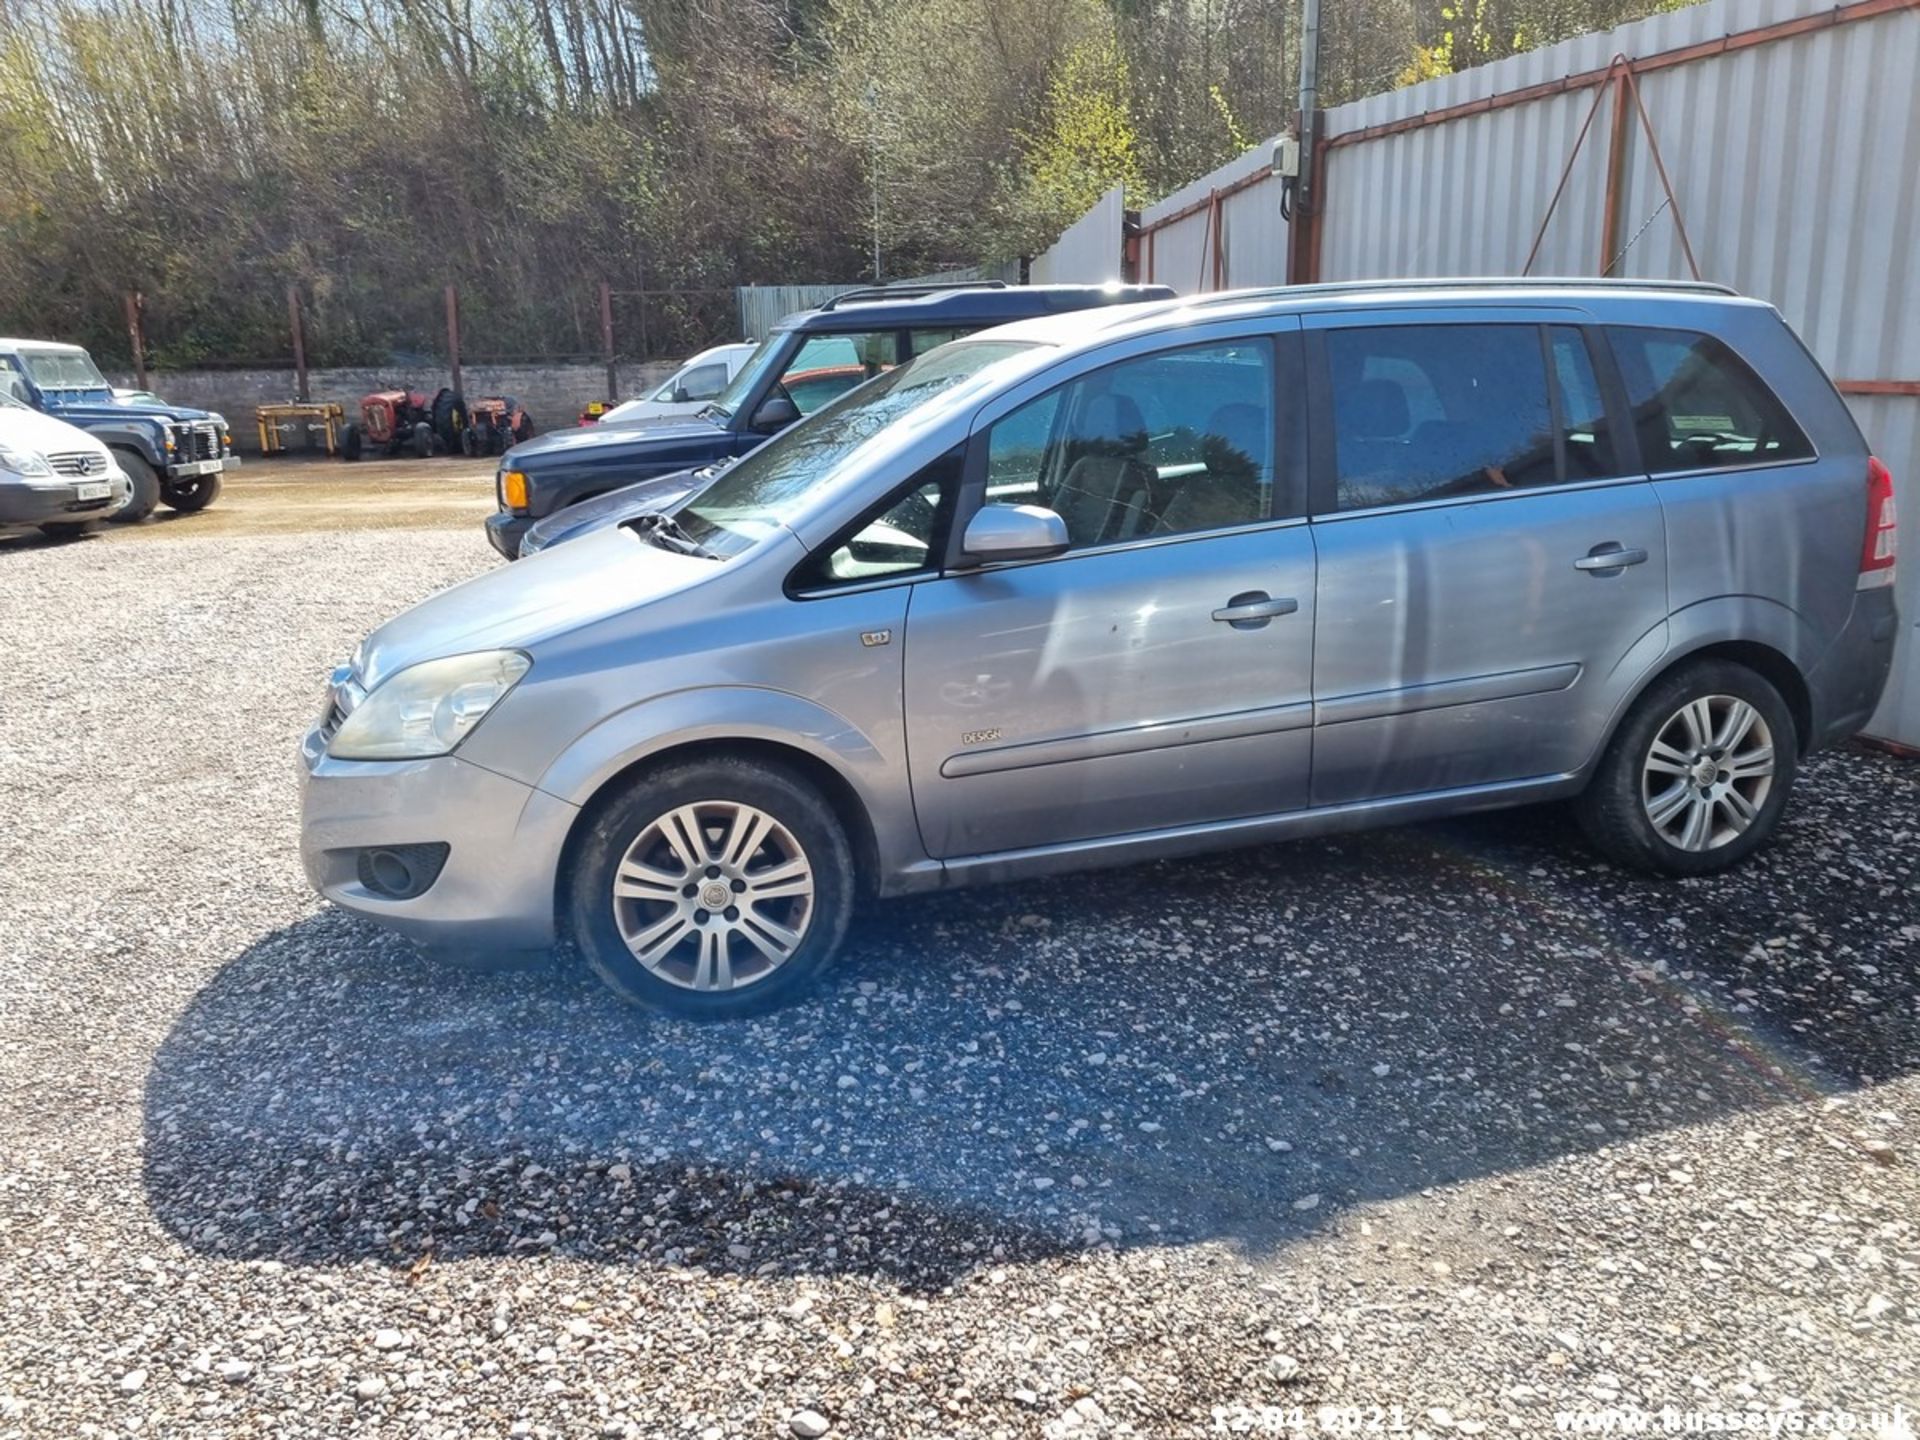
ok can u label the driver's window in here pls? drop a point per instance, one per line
(1165, 444)
(703, 382)
(827, 366)
(903, 534)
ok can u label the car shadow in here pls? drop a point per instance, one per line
(1234, 1048)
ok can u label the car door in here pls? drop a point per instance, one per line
(1492, 572)
(1157, 673)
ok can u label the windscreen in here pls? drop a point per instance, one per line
(63, 370)
(767, 487)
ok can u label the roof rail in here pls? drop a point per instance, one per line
(1468, 282)
(910, 292)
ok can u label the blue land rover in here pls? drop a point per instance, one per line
(810, 358)
(173, 455)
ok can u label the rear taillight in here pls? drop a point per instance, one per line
(1882, 543)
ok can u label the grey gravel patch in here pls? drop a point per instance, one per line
(1036, 1161)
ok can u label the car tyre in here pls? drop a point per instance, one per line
(657, 859)
(1697, 774)
(146, 488)
(188, 496)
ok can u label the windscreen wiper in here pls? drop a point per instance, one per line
(666, 532)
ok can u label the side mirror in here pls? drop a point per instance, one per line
(1014, 532)
(680, 396)
(776, 412)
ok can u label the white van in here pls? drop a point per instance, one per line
(690, 387)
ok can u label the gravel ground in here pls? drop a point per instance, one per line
(1451, 1121)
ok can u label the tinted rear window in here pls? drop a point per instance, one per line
(1425, 412)
(1698, 406)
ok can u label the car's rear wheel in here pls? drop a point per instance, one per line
(146, 487)
(1697, 775)
(188, 496)
(713, 888)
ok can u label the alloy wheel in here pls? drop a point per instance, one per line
(1708, 772)
(713, 896)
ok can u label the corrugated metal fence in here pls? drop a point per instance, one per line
(1089, 251)
(764, 306)
(1790, 130)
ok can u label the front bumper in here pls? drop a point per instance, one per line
(505, 531)
(194, 469)
(58, 500)
(496, 891)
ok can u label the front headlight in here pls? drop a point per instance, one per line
(24, 462)
(429, 708)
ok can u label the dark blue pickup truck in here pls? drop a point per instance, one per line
(810, 358)
(173, 455)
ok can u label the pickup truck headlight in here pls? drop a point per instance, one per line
(24, 462)
(429, 708)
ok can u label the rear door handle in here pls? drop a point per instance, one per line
(1254, 608)
(1609, 557)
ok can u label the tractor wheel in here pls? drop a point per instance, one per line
(470, 442)
(423, 440)
(449, 416)
(524, 430)
(351, 442)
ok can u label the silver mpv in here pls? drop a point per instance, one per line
(1127, 584)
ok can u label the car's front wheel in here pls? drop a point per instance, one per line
(146, 487)
(1697, 775)
(713, 888)
(188, 496)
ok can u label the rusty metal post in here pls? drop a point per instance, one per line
(299, 344)
(1219, 242)
(137, 335)
(1616, 173)
(606, 341)
(453, 335)
(646, 350)
(1303, 233)
(1660, 169)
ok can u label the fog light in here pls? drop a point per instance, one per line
(400, 872)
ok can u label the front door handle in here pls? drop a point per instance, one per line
(1609, 559)
(1252, 609)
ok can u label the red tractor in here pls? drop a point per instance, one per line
(406, 422)
(495, 425)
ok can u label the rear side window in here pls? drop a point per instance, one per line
(1423, 412)
(1587, 442)
(1698, 406)
(925, 340)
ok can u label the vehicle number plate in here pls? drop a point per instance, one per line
(92, 490)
